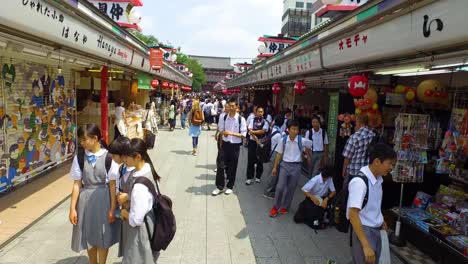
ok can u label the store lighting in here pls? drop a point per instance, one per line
(110, 71)
(395, 71)
(35, 52)
(423, 73)
(449, 65)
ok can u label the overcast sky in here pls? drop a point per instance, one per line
(226, 28)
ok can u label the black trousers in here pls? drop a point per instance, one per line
(231, 158)
(252, 161)
(116, 132)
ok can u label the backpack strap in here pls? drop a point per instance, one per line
(80, 157)
(364, 203)
(299, 143)
(310, 133)
(108, 161)
(240, 122)
(145, 181)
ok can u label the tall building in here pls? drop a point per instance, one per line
(216, 70)
(299, 16)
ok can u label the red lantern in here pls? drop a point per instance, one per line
(299, 88)
(154, 83)
(171, 85)
(276, 89)
(176, 87)
(358, 85)
(165, 85)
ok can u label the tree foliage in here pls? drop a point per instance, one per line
(149, 40)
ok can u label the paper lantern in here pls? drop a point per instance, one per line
(358, 85)
(165, 85)
(299, 88)
(276, 89)
(154, 83)
(171, 85)
(176, 87)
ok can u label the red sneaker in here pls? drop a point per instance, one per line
(273, 212)
(283, 211)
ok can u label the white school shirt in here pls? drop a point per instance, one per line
(276, 138)
(292, 153)
(317, 187)
(119, 110)
(317, 139)
(76, 174)
(284, 127)
(232, 124)
(250, 117)
(371, 215)
(269, 119)
(265, 127)
(141, 201)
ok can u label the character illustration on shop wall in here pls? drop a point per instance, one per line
(9, 75)
(30, 153)
(4, 182)
(37, 98)
(45, 80)
(13, 163)
(5, 120)
(58, 86)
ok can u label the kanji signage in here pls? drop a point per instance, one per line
(274, 45)
(352, 41)
(156, 58)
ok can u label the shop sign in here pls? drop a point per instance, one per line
(156, 58)
(144, 81)
(140, 62)
(272, 48)
(434, 26)
(333, 123)
(44, 20)
(117, 10)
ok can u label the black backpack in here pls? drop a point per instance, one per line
(81, 157)
(342, 224)
(264, 152)
(164, 228)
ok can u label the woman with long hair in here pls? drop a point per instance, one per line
(196, 119)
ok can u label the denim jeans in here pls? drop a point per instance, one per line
(183, 118)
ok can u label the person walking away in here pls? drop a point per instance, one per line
(233, 128)
(172, 116)
(364, 205)
(93, 198)
(318, 193)
(120, 128)
(276, 137)
(355, 151)
(290, 152)
(217, 110)
(258, 127)
(184, 112)
(140, 218)
(319, 137)
(207, 111)
(196, 119)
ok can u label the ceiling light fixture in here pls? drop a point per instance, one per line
(392, 71)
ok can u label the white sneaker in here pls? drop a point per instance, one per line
(217, 192)
(215, 170)
(248, 182)
(228, 191)
(257, 180)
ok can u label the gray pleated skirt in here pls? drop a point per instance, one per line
(135, 245)
(93, 228)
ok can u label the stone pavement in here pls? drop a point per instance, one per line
(225, 229)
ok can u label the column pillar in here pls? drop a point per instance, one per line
(104, 105)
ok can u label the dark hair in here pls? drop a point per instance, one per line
(119, 146)
(120, 101)
(292, 123)
(279, 120)
(148, 106)
(232, 100)
(316, 117)
(91, 130)
(382, 152)
(328, 171)
(287, 111)
(138, 146)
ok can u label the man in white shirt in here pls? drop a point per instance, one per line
(364, 205)
(318, 192)
(276, 137)
(258, 127)
(290, 152)
(319, 137)
(233, 128)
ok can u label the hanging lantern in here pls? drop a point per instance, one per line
(276, 89)
(154, 83)
(171, 85)
(165, 85)
(358, 85)
(176, 87)
(299, 87)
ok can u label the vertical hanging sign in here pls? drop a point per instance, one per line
(156, 58)
(332, 124)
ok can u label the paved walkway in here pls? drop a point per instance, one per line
(225, 229)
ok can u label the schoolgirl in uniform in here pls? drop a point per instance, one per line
(135, 241)
(93, 199)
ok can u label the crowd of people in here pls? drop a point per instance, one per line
(108, 205)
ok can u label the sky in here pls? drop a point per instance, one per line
(225, 28)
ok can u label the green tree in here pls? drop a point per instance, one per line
(149, 40)
(199, 76)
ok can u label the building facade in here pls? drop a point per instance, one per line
(299, 16)
(216, 70)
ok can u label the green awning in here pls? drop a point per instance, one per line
(144, 81)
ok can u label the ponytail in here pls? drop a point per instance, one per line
(147, 159)
(138, 146)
